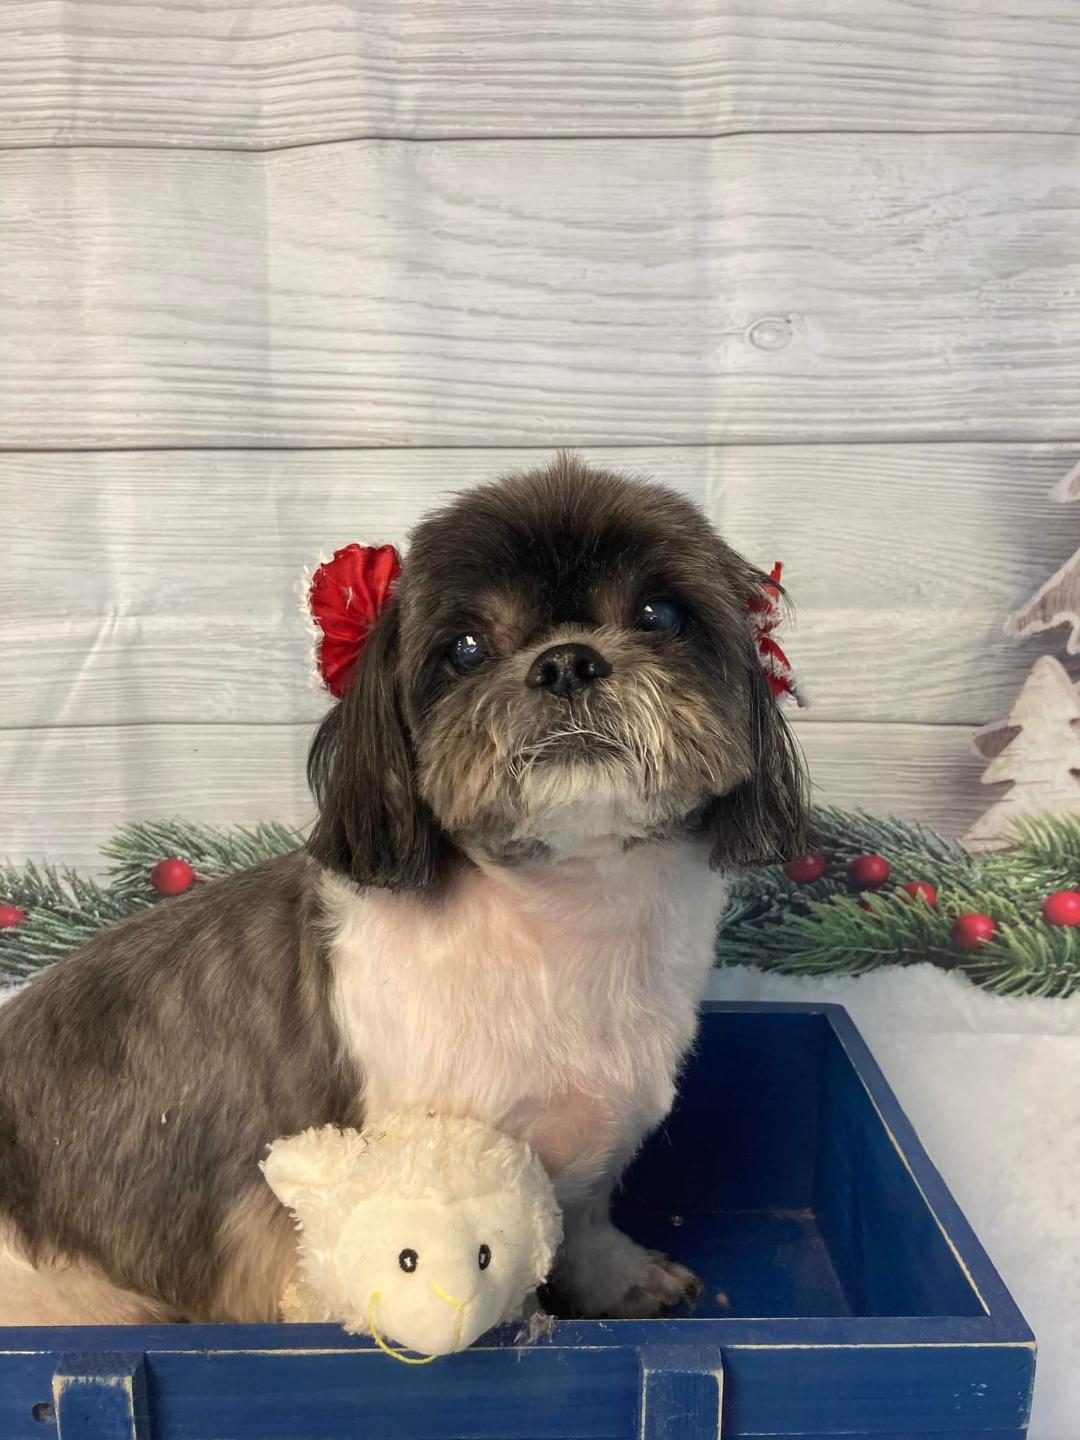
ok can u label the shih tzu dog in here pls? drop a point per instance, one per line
(557, 740)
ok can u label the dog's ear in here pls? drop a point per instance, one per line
(373, 825)
(764, 819)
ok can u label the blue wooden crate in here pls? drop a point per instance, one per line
(846, 1296)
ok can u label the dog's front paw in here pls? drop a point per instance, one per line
(659, 1285)
(602, 1274)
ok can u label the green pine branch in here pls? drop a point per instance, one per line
(772, 921)
(210, 850)
(848, 833)
(822, 929)
(64, 909)
(1050, 840)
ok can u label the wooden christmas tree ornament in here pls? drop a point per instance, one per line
(1057, 601)
(1036, 752)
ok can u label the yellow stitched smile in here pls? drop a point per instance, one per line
(399, 1354)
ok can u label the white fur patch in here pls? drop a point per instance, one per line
(555, 999)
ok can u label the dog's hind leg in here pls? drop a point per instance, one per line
(67, 1292)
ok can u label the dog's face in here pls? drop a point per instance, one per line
(568, 657)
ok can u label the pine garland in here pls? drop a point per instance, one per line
(773, 921)
(211, 851)
(63, 909)
(823, 929)
(1052, 841)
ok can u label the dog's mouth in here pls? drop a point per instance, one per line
(579, 729)
(581, 778)
(599, 763)
(572, 743)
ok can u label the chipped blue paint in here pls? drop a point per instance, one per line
(99, 1396)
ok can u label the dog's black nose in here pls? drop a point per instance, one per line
(566, 668)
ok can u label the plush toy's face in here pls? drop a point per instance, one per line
(423, 1230)
(430, 1275)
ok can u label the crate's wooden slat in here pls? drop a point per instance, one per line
(762, 288)
(254, 74)
(162, 587)
(67, 788)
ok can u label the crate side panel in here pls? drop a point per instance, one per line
(898, 1435)
(911, 1391)
(522, 1394)
(892, 1256)
(743, 1133)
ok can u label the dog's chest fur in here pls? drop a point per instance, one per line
(555, 1000)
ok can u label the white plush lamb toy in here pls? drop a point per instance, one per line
(421, 1230)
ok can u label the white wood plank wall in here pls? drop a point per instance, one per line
(274, 276)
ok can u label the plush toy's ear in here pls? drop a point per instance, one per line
(313, 1160)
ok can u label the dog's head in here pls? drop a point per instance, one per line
(567, 656)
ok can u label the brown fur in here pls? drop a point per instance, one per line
(257, 1245)
(142, 1080)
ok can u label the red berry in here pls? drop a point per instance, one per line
(972, 930)
(171, 877)
(10, 916)
(1062, 908)
(806, 869)
(921, 890)
(868, 870)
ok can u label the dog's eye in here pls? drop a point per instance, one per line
(661, 614)
(483, 1259)
(408, 1260)
(467, 652)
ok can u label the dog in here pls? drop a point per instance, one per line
(557, 742)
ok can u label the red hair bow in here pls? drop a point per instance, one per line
(345, 597)
(766, 614)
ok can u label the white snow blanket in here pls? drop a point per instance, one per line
(993, 1088)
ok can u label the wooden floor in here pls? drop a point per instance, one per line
(276, 276)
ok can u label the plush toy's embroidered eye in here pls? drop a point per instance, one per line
(467, 651)
(484, 1257)
(661, 614)
(408, 1260)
